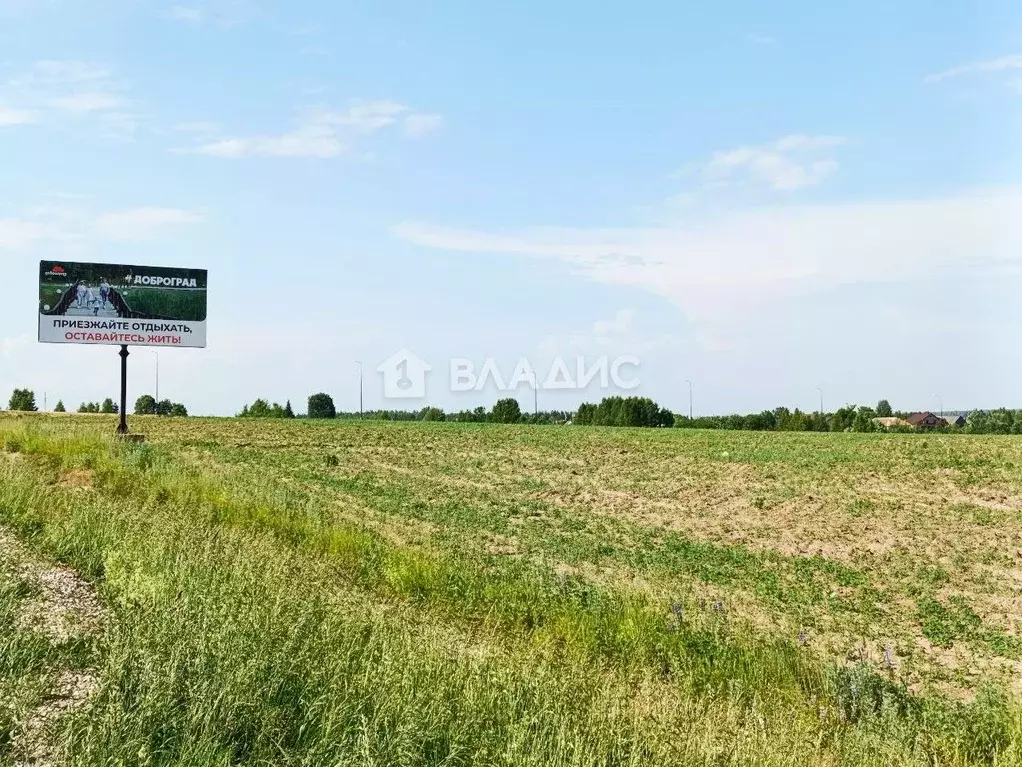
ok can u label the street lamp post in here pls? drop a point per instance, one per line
(689, 399)
(360, 413)
(157, 355)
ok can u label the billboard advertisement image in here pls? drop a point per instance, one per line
(120, 304)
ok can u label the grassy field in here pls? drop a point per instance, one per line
(175, 303)
(425, 594)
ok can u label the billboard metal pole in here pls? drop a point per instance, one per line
(122, 427)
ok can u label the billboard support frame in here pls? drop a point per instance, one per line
(122, 427)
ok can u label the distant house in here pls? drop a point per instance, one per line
(925, 420)
(891, 422)
(956, 420)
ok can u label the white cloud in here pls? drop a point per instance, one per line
(221, 13)
(727, 265)
(618, 335)
(78, 227)
(54, 90)
(784, 165)
(12, 344)
(420, 125)
(622, 323)
(308, 141)
(18, 234)
(186, 13)
(141, 223)
(197, 127)
(364, 116)
(85, 102)
(1014, 61)
(320, 133)
(64, 72)
(10, 117)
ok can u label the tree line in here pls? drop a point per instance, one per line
(108, 407)
(24, 400)
(624, 411)
(148, 405)
(321, 406)
(611, 411)
(856, 418)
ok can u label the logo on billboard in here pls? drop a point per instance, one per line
(404, 375)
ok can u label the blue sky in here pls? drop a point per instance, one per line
(761, 198)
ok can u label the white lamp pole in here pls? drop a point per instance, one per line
(359, 363)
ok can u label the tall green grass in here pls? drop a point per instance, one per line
(187, 305)
(249, 630)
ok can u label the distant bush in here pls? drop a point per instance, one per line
(147, 405)
(999, 421)
(23, 399)
(263, 409)
(322, 406)
(433, 414)
(624, 411)
(506, 411)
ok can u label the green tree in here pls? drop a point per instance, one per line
(322, 406)
(1000, 421)
(977, 422)
(258, 409)
(60, 407)
(864, 420)
(506, 411)
(145, 405)
(433, 414)
(24, 400)
(585, 415)
(288, 412)
(843, 418)
(178, 410)
(884, 409)
(108, 406)
(628, 411)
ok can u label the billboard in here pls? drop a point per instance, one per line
(119, 304)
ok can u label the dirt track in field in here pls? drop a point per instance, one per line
(63, 607)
